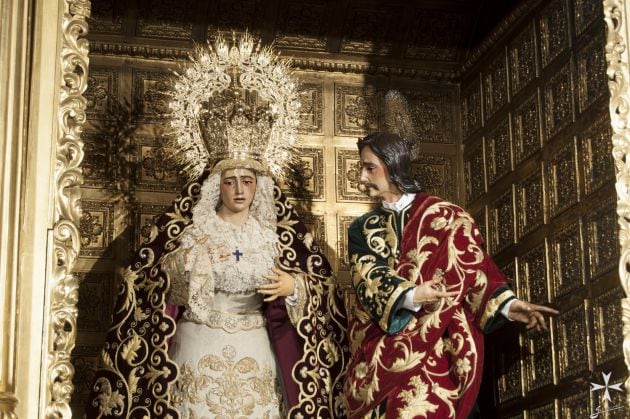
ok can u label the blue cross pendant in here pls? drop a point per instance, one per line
(237, 254)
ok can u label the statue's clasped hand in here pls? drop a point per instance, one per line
(281, 285)
(432, 290)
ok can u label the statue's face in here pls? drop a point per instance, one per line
(238, 187)
(375, 177)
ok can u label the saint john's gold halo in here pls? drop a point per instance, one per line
(235, 104)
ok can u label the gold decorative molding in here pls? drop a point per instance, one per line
(615, 12)
(8, 402)
(66, 239)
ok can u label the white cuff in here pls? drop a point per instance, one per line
(506, 309)
(292, 299)
(408, 301)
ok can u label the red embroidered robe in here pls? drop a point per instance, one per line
(427, 363)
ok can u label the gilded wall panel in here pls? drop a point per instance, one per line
(510, 381)
(474, 171)
(558, 93)
(347, 174)
(502, 221)
(368, 31)
(509, 269)
(539, 363)
(145, 217)
(156, 171)
(596, 151)
(591, 69)
(471, 108)
(435, 35)
(105, 17)
(519, 415)
(571, 328)
(522, 59)
(97, 228)
(574, 407)
(530, 201)
(567, 272)
(607, 311)
(95, 301)
(150, 103)
(307, 178)
(585, 13)
(554, 31)
(432, 112)
(498, 151)
(302, 26)
(495, 89)
(166, 18)
(97, 160)
(602, 240)
(343, 223)
(482, 224)
(103, 89)
(84, 361)
(562, 186)
(436, 174)
(546, 411)
(312, 110)
(234, 15)
(527, 138)
(532, 275)
(356, 110)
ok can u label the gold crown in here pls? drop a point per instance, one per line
(235, 103)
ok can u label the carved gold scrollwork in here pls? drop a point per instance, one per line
(618, 76)
(68, 177)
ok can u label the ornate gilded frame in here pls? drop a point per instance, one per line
(62, 314)
(74, 64)
(616, 18)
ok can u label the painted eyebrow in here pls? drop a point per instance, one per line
(246, 177)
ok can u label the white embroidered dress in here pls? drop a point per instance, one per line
(227, 367)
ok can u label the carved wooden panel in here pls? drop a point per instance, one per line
(96, 296)
(608, 329)
(519, 415)
(482, 224)
(150, 103)
(596, 151)
(367, 31)
(522, 56)
(166, 18)
(84, 360)
(567, 260)
(97, 228)
(307, 178)
(539, 363)
(471, 108)
(234, 15)
(509, 365)
(574, 407)
(591, 71)
(312, 110)
(435, 174)
(432, 112)
(302, 25)
(498, 151)
(586, 12)
(474, 171)
(558, 101)
(527, 138)
(502, 222)
(603, 253)
(532, 275)
(156, 171)
(554, 31)
(103, 89)
(562, 187)
(348, 172)
(495, 87)
(106, 17)
(530, 207)
(343, 223)
(546, 411)
(145, 218)
(435, 35)
(356, 110)
(572, 358)
(97, 160)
